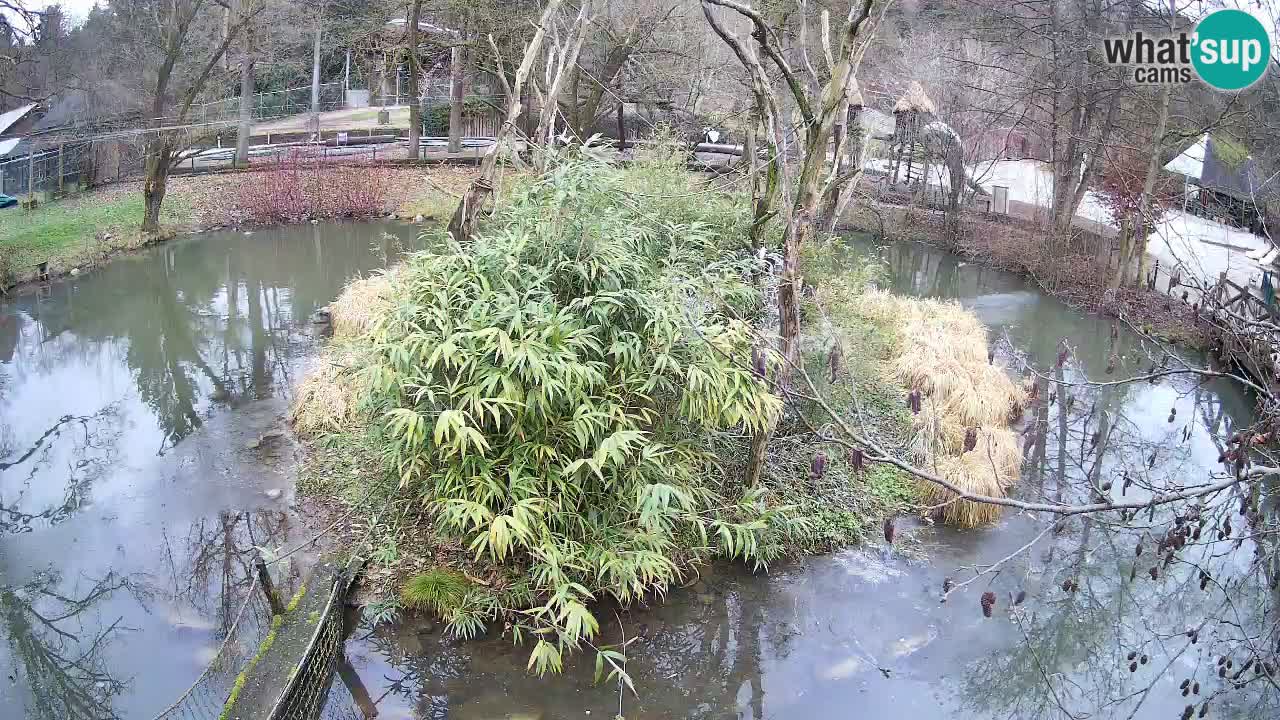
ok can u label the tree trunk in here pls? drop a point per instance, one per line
(1140, 223)
(415, 102)
(831, 198)
(475, 202)
(849, 175)
(622, 121)
(384, 78)
(315, 81)
(584, 111)
(575, 104)
(1118, 277)
(799, 232)
(245, 128)
(457, 76)
(155, 184)
(765, 188)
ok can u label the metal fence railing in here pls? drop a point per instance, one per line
(48, 169)
(308, 687)
(50, 172)
(278, 103)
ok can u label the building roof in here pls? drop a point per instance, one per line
(1191, 161)
(915, 100)
(1224, 166)
(8, 119)
(7, 145)
(425, 26)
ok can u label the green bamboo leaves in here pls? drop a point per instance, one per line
(551, 390)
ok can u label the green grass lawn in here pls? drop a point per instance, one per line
(71, 233)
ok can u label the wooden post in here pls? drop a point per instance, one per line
(622, 125)
(31, 173)
(61, 166)
(268, 587)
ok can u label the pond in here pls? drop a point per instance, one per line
(143, 457)
(861, 632)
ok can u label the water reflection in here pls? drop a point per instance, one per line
(64, 669)
(862, 632)
(705, 650)
(141, 448)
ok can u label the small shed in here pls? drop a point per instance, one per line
(911, 114)
(1222, 181)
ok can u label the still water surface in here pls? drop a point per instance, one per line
(141, 448)
(141, 444)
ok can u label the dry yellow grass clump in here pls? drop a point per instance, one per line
(328, 398)
(361, 303)
(943, 354)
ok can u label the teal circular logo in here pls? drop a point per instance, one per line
(1231, 49)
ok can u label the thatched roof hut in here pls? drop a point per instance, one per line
(915, 100)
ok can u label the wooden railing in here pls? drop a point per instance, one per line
(1242, 301)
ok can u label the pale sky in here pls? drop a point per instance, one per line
(1264, 10)
(75, 10)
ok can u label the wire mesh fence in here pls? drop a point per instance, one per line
(275, 104)
(304, 697)
(207, 695)
(49, 171)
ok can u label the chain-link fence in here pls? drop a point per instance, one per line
(275, 104)
(308, 689)
(207, 696)
(49, 171)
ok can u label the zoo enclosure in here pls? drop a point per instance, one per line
(275, 104)
(56, 171)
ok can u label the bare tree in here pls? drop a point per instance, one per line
(415, 70)
(248, 63)
(634, 36)
(177, 46)
(33, 53)
(818, 108)
(562, 58)
(477, 200)
(458, 57)
(315, 70)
